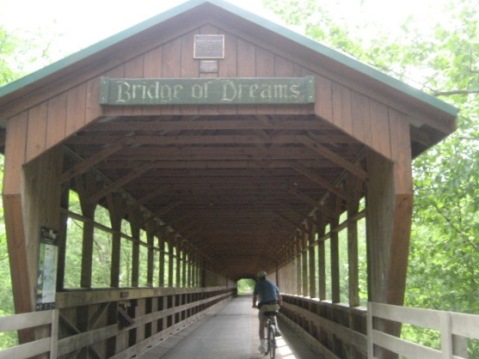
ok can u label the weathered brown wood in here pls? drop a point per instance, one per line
(57, 113)
(361, 123)
(312, 257)
(342, 115)
(334, 262)
(37, 130)
(303, 237)
(15, 153)
(297, 259)
(321, 262)
(353, 263)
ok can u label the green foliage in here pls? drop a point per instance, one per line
(245, 286)
(439, 56)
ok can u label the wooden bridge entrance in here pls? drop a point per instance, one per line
(149, 172)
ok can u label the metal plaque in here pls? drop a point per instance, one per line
(209, 47)
(208, 66)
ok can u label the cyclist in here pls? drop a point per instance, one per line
(267, 298)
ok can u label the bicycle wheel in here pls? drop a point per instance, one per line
(271, 341)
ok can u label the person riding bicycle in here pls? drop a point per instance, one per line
(267, 298)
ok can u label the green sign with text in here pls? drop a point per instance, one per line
(207, 91)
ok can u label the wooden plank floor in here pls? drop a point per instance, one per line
(230, 333)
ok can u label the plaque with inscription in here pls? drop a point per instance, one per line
(208, 66)
(209, 47)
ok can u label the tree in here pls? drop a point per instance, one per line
(443, 60)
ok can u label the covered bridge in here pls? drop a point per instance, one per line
(148, 173)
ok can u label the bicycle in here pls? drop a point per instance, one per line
(270, 334)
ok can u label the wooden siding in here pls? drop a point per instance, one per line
(56, 118)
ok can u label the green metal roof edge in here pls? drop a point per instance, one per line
(248, 16)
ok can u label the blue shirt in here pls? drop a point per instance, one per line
(266, 291)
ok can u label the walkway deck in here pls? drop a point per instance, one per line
(230, 333)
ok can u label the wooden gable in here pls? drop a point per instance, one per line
(223, 175)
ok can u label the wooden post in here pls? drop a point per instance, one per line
(321, 263)
(334, 245)
(162, 264)
(298, 264)
(312, 257)
(86, 187)
(304, 262)
(115, 207)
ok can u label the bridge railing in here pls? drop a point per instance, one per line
(115, 332)
(454, 328)
(31, 320)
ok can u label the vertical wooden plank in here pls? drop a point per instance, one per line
(62, 235)
(170, 260)
(299, 281)
(401, 151)
(403, 200)
(161, 244)
(171, 67)
(369, 325)
(361, 118)
(335, 279)
(324, 98)
(342, 116)
(380, 202)
(15, 153)
(379, 123)
(228, 67)
(57, 113)
(76, 109)
(184, 272)
(115, 209)
(178, 264)
(151, 257)
(17, 252)
(93, 110)
(37, 130)
(304, 263)
(55, 322)
(353, 256)
(88, 211)
(246, 60)
(135, 260)
(152, 63)
(312, 258)
(189, 66)
(321, 264)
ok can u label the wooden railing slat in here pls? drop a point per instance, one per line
(27, 350)
(449, 325)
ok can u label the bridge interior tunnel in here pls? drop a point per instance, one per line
(235, 192)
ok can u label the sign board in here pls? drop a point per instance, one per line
(209, 47)
(207, 91)
(47, 269)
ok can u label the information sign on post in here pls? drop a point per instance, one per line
(47, 269)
